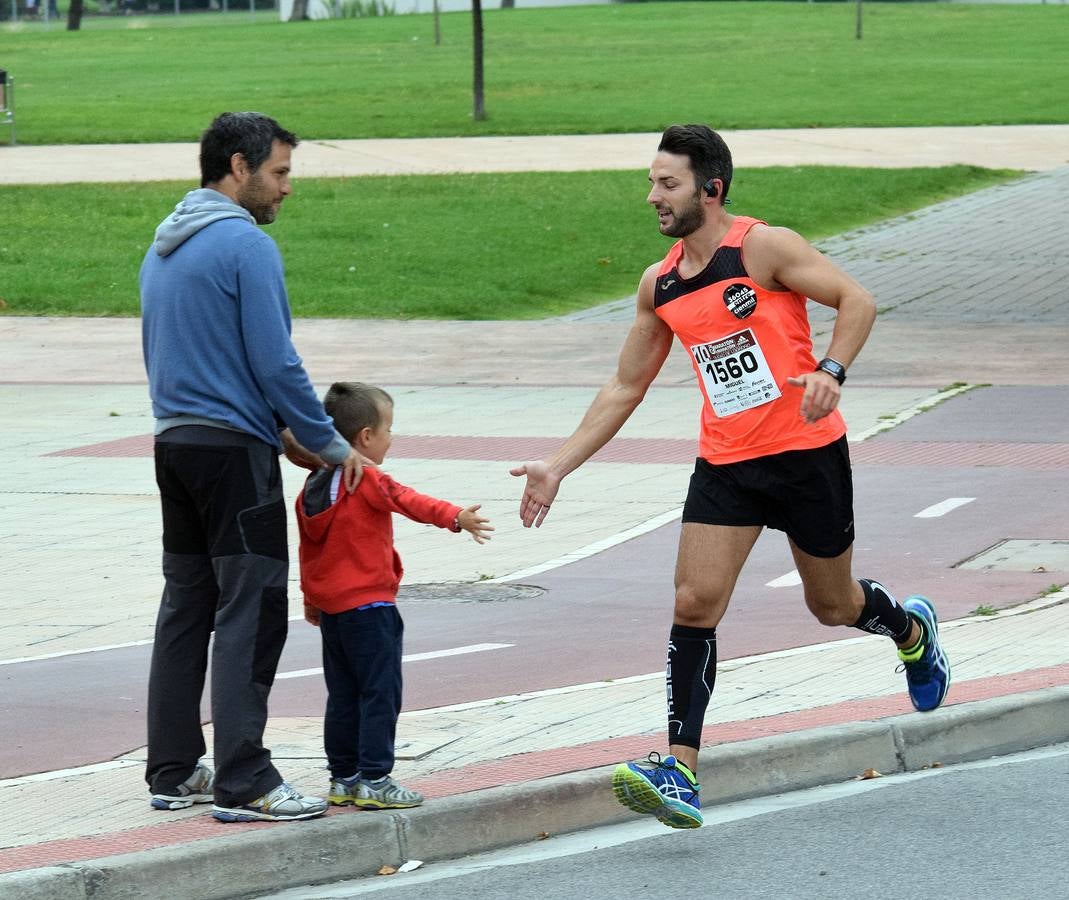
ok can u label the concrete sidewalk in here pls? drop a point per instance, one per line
(1027, 147)
(512, 768)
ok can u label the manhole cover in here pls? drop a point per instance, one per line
(1017, 555)
(479, 592)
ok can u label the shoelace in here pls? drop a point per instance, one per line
(283, 792)
(655, 758)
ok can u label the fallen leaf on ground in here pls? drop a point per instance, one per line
(869, 773)
(541, 836)
(387, 870)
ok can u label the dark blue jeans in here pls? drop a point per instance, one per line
(362, 668)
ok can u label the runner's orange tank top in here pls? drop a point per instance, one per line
(744, 342)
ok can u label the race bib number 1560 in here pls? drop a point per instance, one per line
(735, 373)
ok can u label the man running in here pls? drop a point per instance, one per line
(773, 448)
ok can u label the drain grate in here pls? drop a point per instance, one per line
(478, 592)
(1016, 555)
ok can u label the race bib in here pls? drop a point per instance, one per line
(735, 373)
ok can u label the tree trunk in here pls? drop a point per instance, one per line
(437, 25)
(857, 29)
(300, 11)
(477, 25)
(74, 15)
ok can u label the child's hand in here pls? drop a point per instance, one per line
(478, 526)
(311, 615)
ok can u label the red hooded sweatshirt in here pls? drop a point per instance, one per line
(347, 553)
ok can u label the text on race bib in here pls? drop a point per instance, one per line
(735, 373)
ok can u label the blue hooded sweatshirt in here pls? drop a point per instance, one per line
(215, 330)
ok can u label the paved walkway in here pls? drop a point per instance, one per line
(970, 294)
(1029, 147)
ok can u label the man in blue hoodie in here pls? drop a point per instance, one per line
(229, 392)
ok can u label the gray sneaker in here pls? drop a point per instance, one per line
(385, 793)
(282, 804)
(195, 789)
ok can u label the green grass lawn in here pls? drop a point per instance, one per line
(512, 246)
(621, 67)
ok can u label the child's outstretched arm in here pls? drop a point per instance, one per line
(478, 526)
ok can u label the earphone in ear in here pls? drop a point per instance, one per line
(710, 188)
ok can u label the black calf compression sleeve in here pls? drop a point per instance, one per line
(689, 676)
(882, 614)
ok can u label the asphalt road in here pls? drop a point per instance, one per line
(607, 616)
(989, 830)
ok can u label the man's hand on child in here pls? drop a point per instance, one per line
(297, 454)
(353, 469)
(311, 615)
(478, 526)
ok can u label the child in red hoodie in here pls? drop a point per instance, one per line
(350, 573)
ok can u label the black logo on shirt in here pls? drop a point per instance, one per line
(740, 299)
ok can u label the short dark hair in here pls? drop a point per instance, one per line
(354, 406)
(251, 134)
(708, 154)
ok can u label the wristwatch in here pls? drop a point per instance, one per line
(833, 367)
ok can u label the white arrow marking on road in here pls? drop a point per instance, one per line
(789, 580)
(941, 509)
(411, 657)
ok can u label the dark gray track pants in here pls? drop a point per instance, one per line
(225, 568)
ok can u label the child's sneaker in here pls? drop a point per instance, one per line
(282, 804)
(663, 788)
(195, 789)
(926, 665)
(343, 791)
(384, 793)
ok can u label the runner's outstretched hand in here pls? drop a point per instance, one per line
(538, 493)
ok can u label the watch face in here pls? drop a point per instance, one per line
(834, 369)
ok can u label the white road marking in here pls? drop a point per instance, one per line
(923, 406)
(791, 579)
(411, 657)
(591, 549)
(941, 509)
(61, 653)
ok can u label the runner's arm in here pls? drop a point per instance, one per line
(643, 353)
(782, 259)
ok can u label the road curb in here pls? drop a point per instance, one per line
(354, 845)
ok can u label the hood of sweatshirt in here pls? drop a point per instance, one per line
(314, 509)
(196, 210)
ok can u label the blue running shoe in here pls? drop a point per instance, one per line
(663, 788)
(927, 667)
